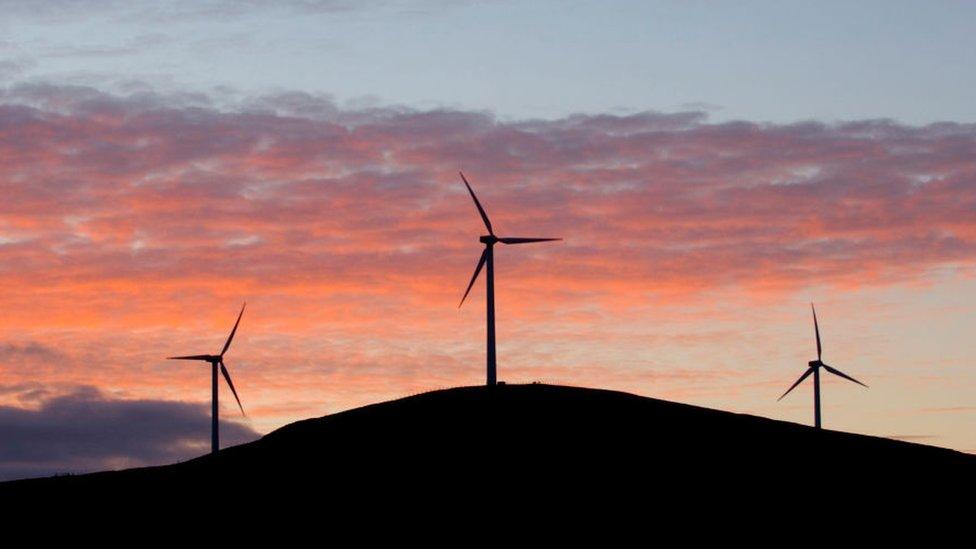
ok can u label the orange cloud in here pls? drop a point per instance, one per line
(132, 226)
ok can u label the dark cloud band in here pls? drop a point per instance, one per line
(86, 430)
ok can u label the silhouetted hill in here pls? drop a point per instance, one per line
(550, 444)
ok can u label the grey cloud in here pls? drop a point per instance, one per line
(59, 11)
(28, 350)
(12, 68)
(87, 430)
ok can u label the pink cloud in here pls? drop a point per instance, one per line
(152, 216)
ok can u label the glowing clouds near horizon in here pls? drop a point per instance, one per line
(134, 225)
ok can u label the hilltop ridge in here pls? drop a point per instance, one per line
(525, 435)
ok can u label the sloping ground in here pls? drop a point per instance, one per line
(535, 441)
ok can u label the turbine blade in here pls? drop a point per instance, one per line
(191, 357)
(804, 376)
(837, 372)
(477, 270)
(223, 370)
(525, 240)
(234, 331)
(481, 210)
(816, 329)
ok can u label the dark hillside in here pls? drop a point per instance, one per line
(537, 441)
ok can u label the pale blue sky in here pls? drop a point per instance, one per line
(755, 60)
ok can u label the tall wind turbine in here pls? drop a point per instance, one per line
(487, 258)
(814, 368)
(215, 361)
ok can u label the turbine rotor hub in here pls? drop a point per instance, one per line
(488, 239)
(814, 363)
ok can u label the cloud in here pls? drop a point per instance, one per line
(133, 224)
(59, 11)
(12, 68)
(27, 393)
(86, 430)
(133, 45)
(98, 177)
(949, 410)
(28, 350)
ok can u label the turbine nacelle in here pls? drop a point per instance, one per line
(488, 239)
(814, 364)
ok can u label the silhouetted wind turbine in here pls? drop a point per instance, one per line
(814, 368)
(487, 257)
(215, 361)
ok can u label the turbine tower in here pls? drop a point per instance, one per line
(215, 361)
(487, 258)
(814, 368)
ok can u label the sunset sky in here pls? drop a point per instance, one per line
(712, 167)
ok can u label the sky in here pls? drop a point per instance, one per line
(713, 168)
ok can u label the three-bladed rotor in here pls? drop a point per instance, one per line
(218, 359)
(814, 364)
(491, 239)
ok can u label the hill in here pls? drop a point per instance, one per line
(546, 441)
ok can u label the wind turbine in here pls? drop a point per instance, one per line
(215, 361)
(814, 368)
(487, 258)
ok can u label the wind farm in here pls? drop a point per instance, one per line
(659, 191)
(606, 421)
